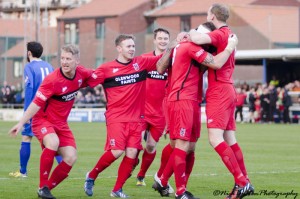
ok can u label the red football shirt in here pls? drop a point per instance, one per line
(57, 93)
(185, 76)
(155, 91)
(124, 86)
(219, 39)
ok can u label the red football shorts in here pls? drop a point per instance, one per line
(43, 127)
(220, 106)
(156, 126)
(184, 116)
(123, 135)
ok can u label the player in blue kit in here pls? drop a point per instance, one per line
(34, 73)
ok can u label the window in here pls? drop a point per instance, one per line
(151, 26)
(71, 33)
(100, 29)
(99, 61)
(185, 23)
(18, 68)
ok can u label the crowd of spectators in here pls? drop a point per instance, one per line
(267, 103)
(13, 97)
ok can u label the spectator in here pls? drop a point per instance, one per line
(100, 99)
(80, 100)
(287, 102)
(89, 98)
(274, 82)
(265, 105)
(273, 100)
(296, 86)
(251, 102)
(240, 96)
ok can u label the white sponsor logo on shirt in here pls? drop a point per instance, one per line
(40, 95)
(199, 53)
(115, 70)
(210, 120)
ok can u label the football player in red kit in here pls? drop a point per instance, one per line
(220, 103)
(49, 112)
(124, 82)
(183, 111)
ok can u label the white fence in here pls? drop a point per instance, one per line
(97, 114)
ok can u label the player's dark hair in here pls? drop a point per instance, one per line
(160, 30)
(220, 11)
(71, 48)
(123, 37)
(209, 25)
(35, 48)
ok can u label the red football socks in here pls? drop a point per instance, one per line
(165, 155)
(240, 158)
(46, 163)
(105, 160)
(59, 174)
(147, 160)
(228, 158)
(190, 160)
(179, 170)
(124, 171)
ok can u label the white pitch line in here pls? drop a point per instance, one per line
(211, 174)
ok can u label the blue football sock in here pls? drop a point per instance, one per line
(24, 156)
(58, 159)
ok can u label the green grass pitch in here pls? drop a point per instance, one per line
(271, 151)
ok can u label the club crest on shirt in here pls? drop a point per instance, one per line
(44, 130)
(136, 66)
(182, 132)
(112, 142)
(79, 82)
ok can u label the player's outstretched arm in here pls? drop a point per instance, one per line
(28, 114)
(216, 62)
(164, 61)
(199, 38)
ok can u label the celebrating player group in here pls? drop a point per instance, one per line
(149, 95)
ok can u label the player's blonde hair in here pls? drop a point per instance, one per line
(221, 11)
(71, 48)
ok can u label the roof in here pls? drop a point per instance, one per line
(284, 54)
(49, 45)
(279, 24)
(277, 2)
(187, 7)
(11, 28)
(102, 8)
